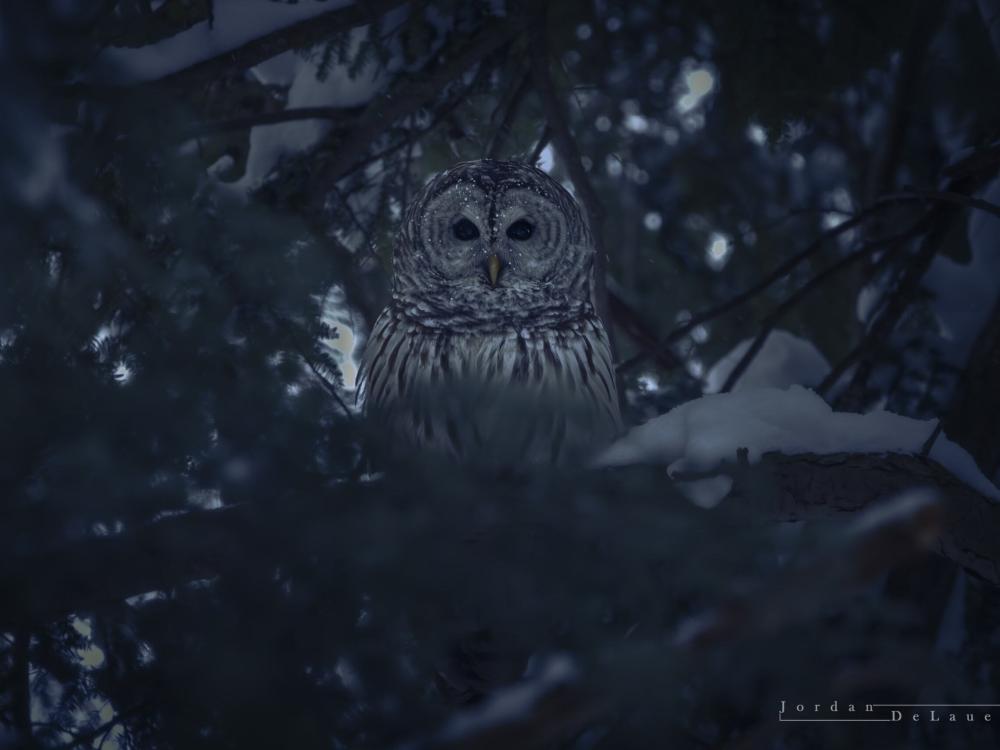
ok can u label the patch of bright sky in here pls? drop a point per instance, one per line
(546, 160)
(653, 221)
(718, 251)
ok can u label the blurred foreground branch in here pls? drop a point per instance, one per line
(201, 544)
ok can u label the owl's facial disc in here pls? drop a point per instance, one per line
(514, 239)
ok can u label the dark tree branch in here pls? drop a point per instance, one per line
(634, 327)
(772, 319)
(339, 116)
(776, 275)
(945, 196)
(953, 196)
(566, 145)
(854, 397)
(543, 141)
(510, 105)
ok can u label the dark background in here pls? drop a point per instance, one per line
(192, 550)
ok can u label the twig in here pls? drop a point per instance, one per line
(945, 196)
(769, 322)
(510, 105)
(882, 327)
(777, 274)
(925, 450)
(785, 268)
(543, 141)
(570, 153)
(634, 327)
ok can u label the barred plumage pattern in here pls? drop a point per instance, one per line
(517, 368)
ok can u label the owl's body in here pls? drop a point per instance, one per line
(490, 346)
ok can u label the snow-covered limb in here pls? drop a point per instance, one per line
(792, 457)
(237, 40)
(700, 435)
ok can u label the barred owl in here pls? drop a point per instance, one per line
(490, 350)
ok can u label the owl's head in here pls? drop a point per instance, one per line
(492, 243)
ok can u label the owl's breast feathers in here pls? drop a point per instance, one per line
(529, 391)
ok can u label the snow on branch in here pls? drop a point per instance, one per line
(698, 436)
(242, 34)
(789, 456)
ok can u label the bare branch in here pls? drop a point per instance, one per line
(769, 322)
(569, 151)
(945, 196)
(633, 326)
(782, 270)
(543, 141)
(510, 105)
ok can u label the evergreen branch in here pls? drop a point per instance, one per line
(100, 572)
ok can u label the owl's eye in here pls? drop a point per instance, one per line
(520, 230)
(465, 230)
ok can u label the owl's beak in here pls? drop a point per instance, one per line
(493, 268)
